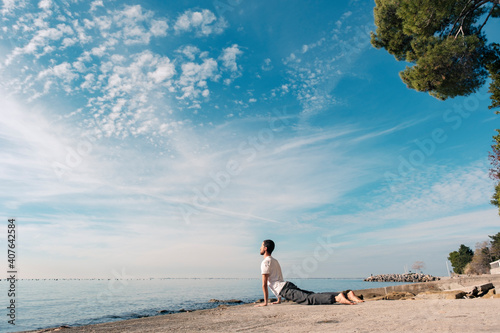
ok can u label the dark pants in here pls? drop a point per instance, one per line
(293, 293)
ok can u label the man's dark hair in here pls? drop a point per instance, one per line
(270, 245)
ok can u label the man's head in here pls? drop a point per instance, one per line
(267, 245)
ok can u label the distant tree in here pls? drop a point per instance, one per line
(445, 42)
(459, 259)
(418, 266)
(480, 263)
(495, 247)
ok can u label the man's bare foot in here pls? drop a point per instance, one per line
(351, 296)
(340, 298)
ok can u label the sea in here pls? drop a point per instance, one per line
(46, 303)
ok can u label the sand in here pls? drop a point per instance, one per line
(429, 315)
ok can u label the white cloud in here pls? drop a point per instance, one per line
(40, 40)
(267, 65)
(67, 42)
(104, 23)
(189, 51)
(101, 73)
(95, 4)
(228, 57)
(164, 70)
(203, 22)
(62, 71)
(89, 82)
(9, 5)
(98, 51)
(45, 4)
(194, 77)
(124, 108)
(159, 28)
(131, 21)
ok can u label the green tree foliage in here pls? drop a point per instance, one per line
(444, 42)
(459, 259)
(495, 247)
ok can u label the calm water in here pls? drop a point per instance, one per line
(48, 303)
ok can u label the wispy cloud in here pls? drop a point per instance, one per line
(394, 129)
(315, 70)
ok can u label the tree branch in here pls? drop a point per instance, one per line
(491, 11)
(459, 16)
(474, 7)
(459, 30)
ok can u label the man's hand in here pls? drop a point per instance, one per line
(265, 303)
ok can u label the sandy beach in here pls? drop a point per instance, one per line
(428, 307)
(430, 315)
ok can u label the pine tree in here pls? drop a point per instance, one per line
(459, 259)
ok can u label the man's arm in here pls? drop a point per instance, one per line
(265, 277)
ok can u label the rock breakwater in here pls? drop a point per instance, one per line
(413, 277)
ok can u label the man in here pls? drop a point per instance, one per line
(273, 278)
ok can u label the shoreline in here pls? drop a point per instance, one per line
(240, 316)
(474, 315)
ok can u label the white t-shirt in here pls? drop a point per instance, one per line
(275, 281)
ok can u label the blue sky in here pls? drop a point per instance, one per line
(170, 138)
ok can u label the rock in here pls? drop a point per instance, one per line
(490, 293)
(401, 278)
(456, 295)
(398, 296)
(227, 301)
(484, 289)
(182, 310)
(480, 291)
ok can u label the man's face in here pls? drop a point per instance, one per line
(262, 249)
